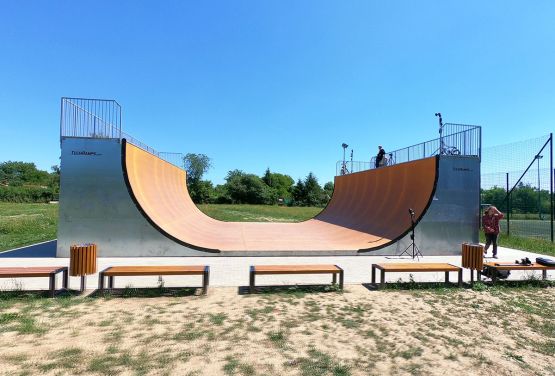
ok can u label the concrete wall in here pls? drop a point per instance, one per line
(453, 216)
(95, 206)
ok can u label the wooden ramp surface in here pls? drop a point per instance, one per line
(368, 209)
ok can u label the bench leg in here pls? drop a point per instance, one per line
(334, 278)
(494, 276)
(461, 277)
(382, 279)
(52, 284)
(341, 274)
(373, 274)
(205, 280)
(101, 282)
(65, 279)
(446, 278)
(251, 281)
(111, 282)
(544, 274)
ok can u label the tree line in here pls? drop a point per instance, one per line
(246, 188)
(24, 182)
(524, 199)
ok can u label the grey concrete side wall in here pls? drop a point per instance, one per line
(453, 216)
(95, 206)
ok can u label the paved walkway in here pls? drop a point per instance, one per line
(234, 271)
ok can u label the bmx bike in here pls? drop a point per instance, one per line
(344, 170)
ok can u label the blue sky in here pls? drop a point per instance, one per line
(279, 84)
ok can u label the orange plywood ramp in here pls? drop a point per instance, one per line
(368, 210)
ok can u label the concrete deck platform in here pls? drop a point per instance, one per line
(234, 271)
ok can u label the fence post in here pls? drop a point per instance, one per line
(551, 182)
(508, 206)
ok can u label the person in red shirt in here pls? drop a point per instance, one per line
(490, 223)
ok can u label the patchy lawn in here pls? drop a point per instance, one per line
(24, 224)
(438, 331)
(259, 213)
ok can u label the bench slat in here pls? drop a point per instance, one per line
(534, 266)
(418, 267)
(295, 269)
(39, 271)
(154, 270)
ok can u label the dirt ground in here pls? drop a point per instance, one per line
(495, 331)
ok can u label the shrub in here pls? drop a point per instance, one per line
(26, 194)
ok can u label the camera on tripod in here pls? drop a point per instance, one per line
(415, 250)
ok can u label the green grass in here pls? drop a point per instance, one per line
(24, 224)
(258, 213)
(528, 227)
(318, 363)
(526, 244)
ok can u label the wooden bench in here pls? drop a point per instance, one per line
(38, 271)
(295, 269)
(507, 265)
(127, 271)
(415, 268)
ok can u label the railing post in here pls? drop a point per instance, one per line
(61, 119)
(551, 182)
(480, 143)
(508, 207)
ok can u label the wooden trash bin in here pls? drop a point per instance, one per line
(82, 261)
(473, 258)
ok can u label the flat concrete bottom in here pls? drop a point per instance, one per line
(234, 271)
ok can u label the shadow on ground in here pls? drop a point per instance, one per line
(156, 292)
(289, 289)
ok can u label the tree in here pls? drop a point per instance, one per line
(328, 190)
(196, 166)
(267, 178)
(23, 173)
(314, 195)
(524, 199)
(222, 195)
(282, 184)
(298, 193)
(202, 192)
(23, 182)
(55, 178)
(245, 188)
(495, 196)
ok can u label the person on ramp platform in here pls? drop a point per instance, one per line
(380, 156)
(490, 223)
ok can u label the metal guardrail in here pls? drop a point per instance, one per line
(92, 118)
(176, 159)
(101, 118)
(459, 139)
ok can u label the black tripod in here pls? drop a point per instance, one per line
(415, 250)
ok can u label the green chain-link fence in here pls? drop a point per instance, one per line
(517, 178)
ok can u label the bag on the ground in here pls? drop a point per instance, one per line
(545, 261)
(501, 274)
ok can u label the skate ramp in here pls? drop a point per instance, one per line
(368, 210)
